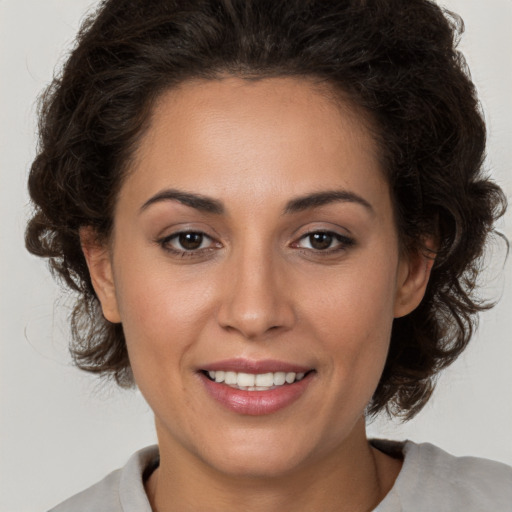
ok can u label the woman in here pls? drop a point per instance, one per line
(273, 213)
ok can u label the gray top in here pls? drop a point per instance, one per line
(430, 480)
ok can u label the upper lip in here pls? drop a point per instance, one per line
(255, 366)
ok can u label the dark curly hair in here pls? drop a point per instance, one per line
(394, 59)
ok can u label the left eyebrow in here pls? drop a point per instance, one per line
(317, 199)
(199, 202)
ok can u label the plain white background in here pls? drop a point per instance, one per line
(60, 430)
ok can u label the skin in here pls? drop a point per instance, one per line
(258, 289)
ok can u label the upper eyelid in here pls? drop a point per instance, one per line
(324, 226)
(343, 241)
(172, 236)
(329, 231)
(326, 232)
(172, 231)
(296, 237)
(166, 244)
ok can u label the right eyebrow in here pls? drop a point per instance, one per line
(322, 198)
(197, 201)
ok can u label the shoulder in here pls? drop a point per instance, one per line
(432, 479)
(120, 491)
(103, 496)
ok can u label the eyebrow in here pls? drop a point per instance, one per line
(197, 201)
(299, 204)
(318, 199)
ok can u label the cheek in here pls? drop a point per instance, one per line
(354, 304)
(161, 325)
(162, 316)
(352, 319)
(153, 295)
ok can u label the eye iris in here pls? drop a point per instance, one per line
(190, 241)
(320, 240)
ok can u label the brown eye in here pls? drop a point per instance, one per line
(325, 241)
(321, 241)
(190, 241)
(187, 242)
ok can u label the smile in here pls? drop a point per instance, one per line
(256, 388)
(255, 382)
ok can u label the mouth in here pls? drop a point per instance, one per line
(256, 388)
(255, 382)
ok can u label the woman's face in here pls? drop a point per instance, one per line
(256, 271)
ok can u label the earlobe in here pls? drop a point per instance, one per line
(97, 256)
(413, 277)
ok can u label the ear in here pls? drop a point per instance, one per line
(413, 275)
(98, 258)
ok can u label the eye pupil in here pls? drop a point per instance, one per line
(320, 240)
(190, 241)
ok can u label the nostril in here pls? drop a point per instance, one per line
(255, 313)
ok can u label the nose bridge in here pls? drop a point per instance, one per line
(256, 301)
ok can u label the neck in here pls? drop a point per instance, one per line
(354, 477)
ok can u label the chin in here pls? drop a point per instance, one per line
(266, 455)
(257, 466)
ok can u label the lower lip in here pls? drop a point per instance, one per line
(256, 403)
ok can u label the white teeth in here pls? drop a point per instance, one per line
(264, 379)
(279, 378)
(230, 378)
(290, 377)
(245, 379)
(255, 382)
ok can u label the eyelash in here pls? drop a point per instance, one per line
(166, 242)
(343, 243)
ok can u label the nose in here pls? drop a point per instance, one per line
(256, 301)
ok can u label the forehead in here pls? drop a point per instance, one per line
(255, 138)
